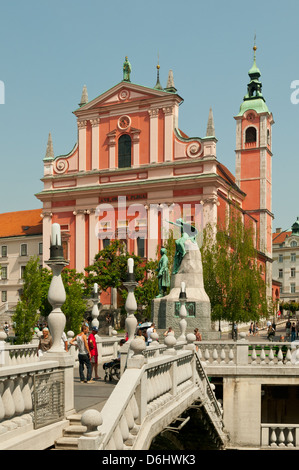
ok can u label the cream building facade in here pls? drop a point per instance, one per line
(20, 239)
(286, 262)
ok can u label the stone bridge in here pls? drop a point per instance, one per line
(158, 385)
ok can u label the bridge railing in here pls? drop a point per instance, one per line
(242, 352)
(280, 435)
(157, 386)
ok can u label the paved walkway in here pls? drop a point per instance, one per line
(87, 396)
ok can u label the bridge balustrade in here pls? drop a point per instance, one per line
(157, 386)
(242, 352)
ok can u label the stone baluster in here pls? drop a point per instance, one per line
(131, 304)
(7, 399)
(280, 356)
(253, 355)
(271, 356)
(263, 356)
(290, 438)
(222, 356)
(288, 355)
(281, 437)
(215, 356)
(273, 438)
(231, 356)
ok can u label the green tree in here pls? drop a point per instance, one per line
(26, 314)
(110, 271)
(231, 274)
(75, 305)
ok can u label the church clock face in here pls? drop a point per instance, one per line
(124, 122)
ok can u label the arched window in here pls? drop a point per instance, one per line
(250, 135)
(293, 243)
(124, 151)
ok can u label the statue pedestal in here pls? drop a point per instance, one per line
(166, 310)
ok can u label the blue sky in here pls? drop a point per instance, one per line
(50, 49)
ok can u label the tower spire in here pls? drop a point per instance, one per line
(84, 97)
(210, 126)
(158, 85)
(170, 83)
(49, 152)
(254, 98)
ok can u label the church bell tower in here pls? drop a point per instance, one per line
(254, 157)
(254, 161)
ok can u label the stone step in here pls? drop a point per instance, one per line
(74, 431)
(66, 443)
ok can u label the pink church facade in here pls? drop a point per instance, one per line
(131, 154)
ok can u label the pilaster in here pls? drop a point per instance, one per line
(82, 144)
(153, 113)
(95, 135)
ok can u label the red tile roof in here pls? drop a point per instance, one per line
(13, 224)
(278, 238)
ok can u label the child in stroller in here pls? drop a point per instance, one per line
(112, 368)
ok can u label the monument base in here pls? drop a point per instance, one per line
(166, 313)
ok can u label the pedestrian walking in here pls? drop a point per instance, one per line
(250, 329)
(92, 344)
(83, 355)
(288, 328)
(293, 332)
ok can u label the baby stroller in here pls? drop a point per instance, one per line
(112, 370)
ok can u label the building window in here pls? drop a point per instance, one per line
(293, 243)
(4, 251)
(293, 257)
(3, 272)
(106, 242)
(22, 271)
(140, 247)
(124, 151)
(280, 258)
(4, 296)
(293, 272)
(250, 135)
(280, 273)
(24, 249)
(40, 248)
(293, 288)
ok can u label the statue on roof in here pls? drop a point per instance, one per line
(127, 69)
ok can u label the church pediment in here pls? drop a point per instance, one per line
(123, 93)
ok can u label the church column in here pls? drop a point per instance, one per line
(80, 240)
(95, 143)
(135, 140)
(168, 134)
(153, 113)
(82, 144)
(111, 144)
(210, 203)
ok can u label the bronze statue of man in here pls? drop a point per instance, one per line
(163, 273)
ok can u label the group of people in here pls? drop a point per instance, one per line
(87, 350)
(253, 329)
(292, 329)
(87, 353)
